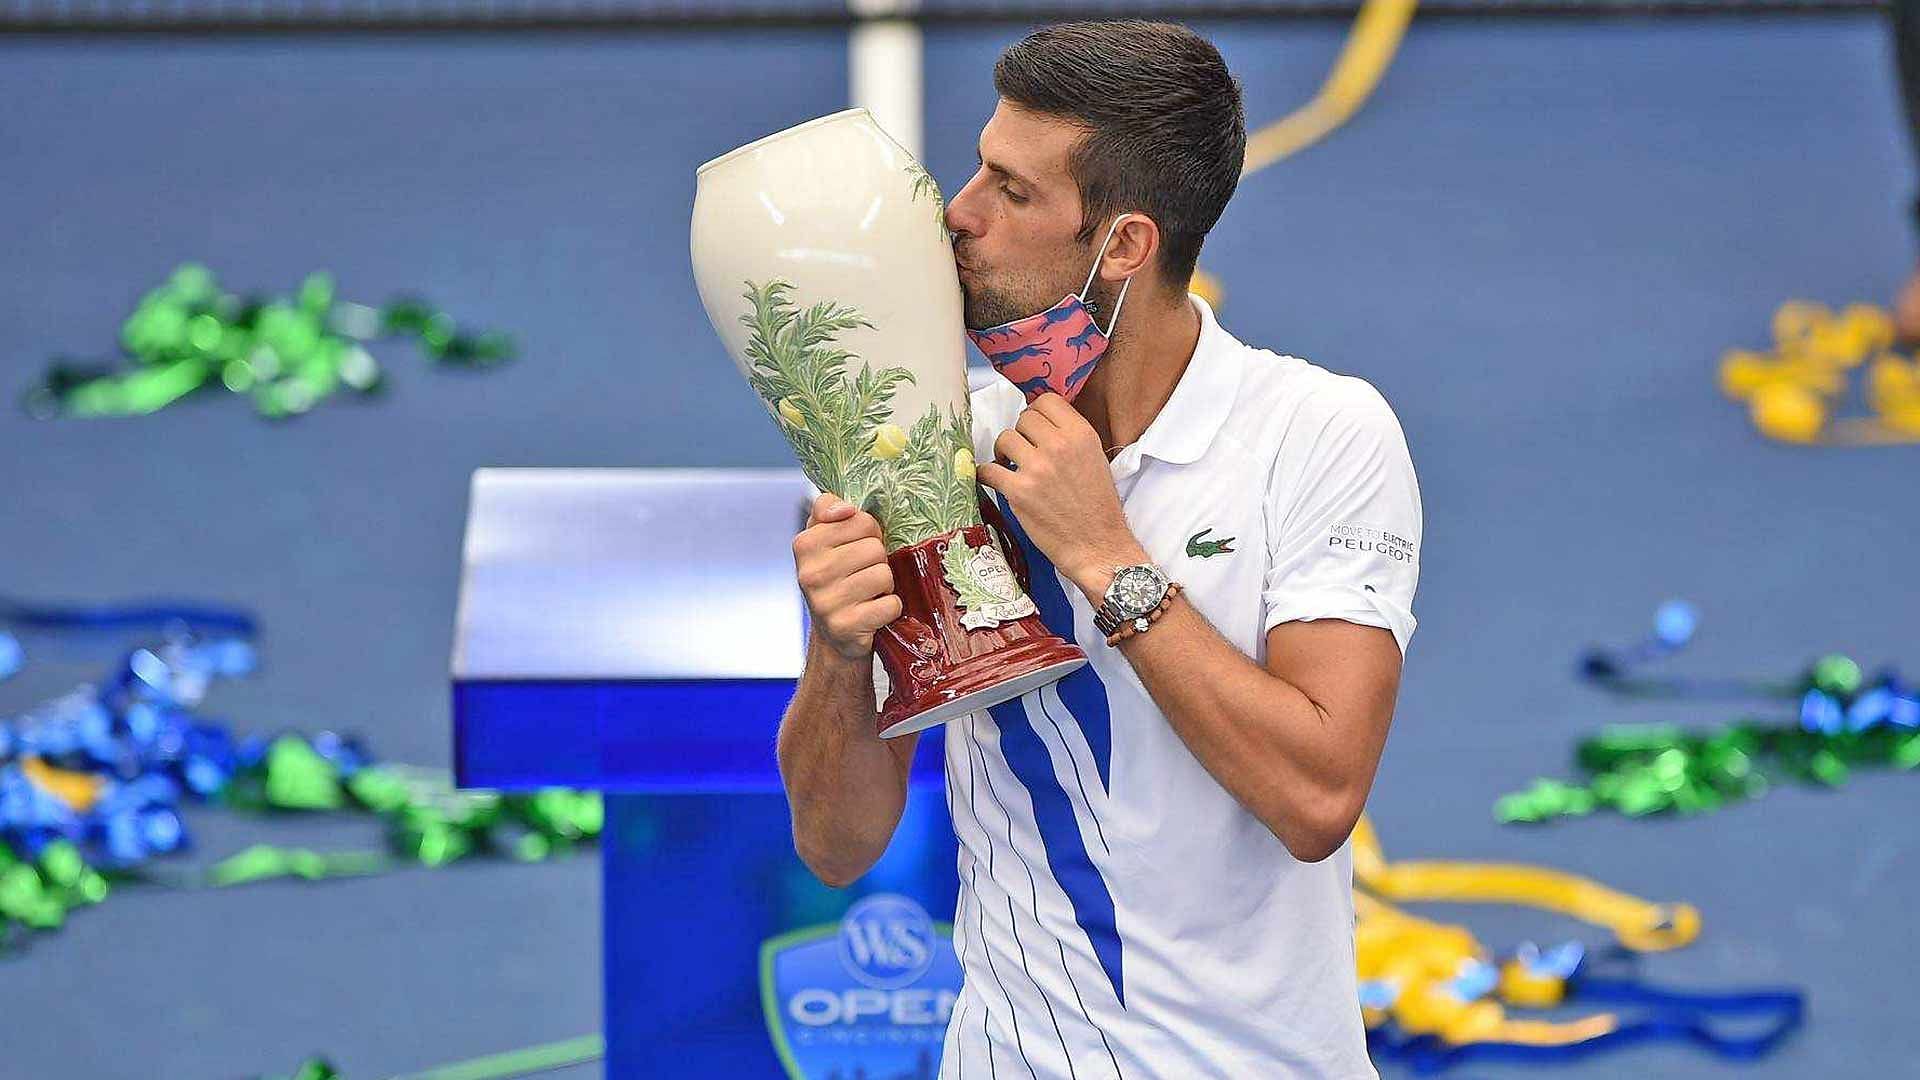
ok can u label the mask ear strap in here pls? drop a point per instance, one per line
(1091, 274)
(1124, 286)
(1119, 300)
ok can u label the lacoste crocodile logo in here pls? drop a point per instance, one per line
(1207, 549)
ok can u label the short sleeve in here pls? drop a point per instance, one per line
(1343, 516)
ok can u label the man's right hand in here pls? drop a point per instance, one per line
(842, 566)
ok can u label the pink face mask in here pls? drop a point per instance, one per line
(1056, 349)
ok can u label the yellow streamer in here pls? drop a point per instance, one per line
(1638, 924)
(78, 790)
(1552, 1033)
(1370, 47)
(1422, 959)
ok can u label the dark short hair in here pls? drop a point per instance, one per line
(1166, 134)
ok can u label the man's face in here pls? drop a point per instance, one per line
(1014, 223)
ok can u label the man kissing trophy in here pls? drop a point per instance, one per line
(823, 260)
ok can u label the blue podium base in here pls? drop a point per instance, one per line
(697, 886)
(638, 631)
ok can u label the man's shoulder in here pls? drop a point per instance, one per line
(1286, 401)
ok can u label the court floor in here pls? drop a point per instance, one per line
(1535, 240)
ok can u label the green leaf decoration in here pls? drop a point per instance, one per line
(832, 417)
(962, 497)
(923, 184)
(920, 494)
(795, 368)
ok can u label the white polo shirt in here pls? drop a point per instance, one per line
(1120, 914)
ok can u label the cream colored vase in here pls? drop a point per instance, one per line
(822, 257)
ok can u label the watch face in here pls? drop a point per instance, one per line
(1138, 590)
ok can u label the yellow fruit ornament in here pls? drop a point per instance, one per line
(889, 442)
(791, 414)
(963, 463)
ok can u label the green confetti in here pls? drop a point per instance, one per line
(1651, 769)
(287, 355)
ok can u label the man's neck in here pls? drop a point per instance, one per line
(1135, 379)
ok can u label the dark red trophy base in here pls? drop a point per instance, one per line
(938, 668)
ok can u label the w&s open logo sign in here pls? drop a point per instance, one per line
(864, 999)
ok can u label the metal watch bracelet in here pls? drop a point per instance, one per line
(1140, 625)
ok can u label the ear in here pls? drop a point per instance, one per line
(1136, 243)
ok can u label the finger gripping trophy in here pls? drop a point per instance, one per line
(823, 260)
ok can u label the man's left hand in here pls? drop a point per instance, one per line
(1061, 489)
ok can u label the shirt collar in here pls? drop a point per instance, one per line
(1201, 400)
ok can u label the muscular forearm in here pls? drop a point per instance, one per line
(1274, 749)
(845, 785)
(1303, 773)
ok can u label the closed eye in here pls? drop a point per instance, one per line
(1004, 176)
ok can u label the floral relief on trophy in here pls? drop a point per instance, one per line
(918, 481)
(988, 592)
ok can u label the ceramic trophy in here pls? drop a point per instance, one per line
(822, 256)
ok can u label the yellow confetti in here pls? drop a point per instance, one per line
(1788, 412)
(1793, 392)
(1743, 371)
(1795, 320)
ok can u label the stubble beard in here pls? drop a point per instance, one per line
(984, 307)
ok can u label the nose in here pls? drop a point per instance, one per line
(963, 216)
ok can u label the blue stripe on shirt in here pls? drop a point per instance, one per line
(1082, 692)
(1027, 757)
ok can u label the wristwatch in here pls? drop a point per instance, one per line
(1133, 598)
